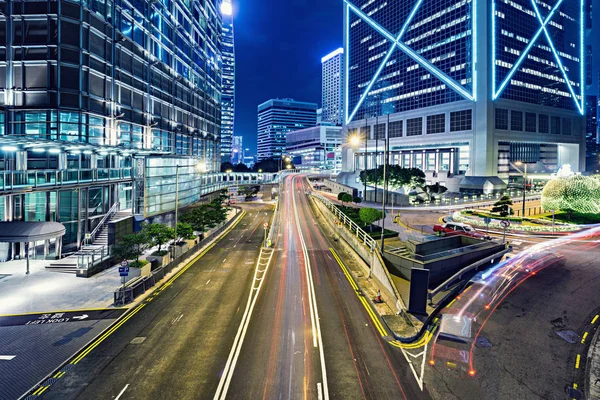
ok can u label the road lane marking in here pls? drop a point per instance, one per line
(311, 292)
(364, 302)
(319, 391)
(122, 391)
(577, 361)
(595, 319)
(585, 335)
(236, 348)
(6, 358)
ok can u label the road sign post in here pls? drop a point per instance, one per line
(505, 224)
(487, 221)
(124, 271)
(266, 227)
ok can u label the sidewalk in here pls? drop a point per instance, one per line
(44, 290)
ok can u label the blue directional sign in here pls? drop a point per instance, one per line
(123, 271)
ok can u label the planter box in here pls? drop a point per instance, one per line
(144, 271)
(180, 249)
(191, 243)
(161, 260)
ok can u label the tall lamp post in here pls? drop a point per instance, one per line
(385, 180)
(365, 159)
(519, 163)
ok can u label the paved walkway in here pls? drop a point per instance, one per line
(45, 290)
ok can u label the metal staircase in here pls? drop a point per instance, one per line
(95, 246)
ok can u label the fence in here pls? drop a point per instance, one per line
(361, 234)
(127, 293)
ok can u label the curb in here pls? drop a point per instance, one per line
(39, 388)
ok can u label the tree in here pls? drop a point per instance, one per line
(132, 246)
(184, 231)
(226, 166)
(573, 193)
(158, 234)
(241, 168)
(347, 198)
(340, 196)
(357, 200)
(196, 217)
(398, 176)
(502, 206)
(369, 215)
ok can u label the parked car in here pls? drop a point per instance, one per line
(456, 228)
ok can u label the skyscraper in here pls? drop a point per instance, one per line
(592, 81)
(237, 150)
(277, 117)
(332, 89)
(228, 90)
(103, 105)
(466, 89)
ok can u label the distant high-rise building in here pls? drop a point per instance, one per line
(592, 82)
(316, 148)
(237, 150)
(277, 117)
(466, 92)
(319, 115)
(228, 92)
(332, 89)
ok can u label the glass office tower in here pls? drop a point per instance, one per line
(95, 96)
(228, 89)
(332, 87)
(465, 87)
(276, 118)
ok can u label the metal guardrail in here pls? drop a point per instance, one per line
(89, 258)
(458, 276)
(102, 223)
(360, 233)
(128, 292)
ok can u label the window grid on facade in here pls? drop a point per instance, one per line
(461, 121)
(436, 123)
(395, 129)
(555, 125)
(530, 122)
(544, 123)
(501, 119)
(516, 120)
(414, 126)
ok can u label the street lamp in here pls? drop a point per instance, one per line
(354, 141)
(519, 163)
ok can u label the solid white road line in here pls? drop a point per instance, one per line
(314, 299)
(122, 391)
(6, 358)
(225, 380)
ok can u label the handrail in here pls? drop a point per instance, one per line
(100, 225)
(466, 269)
(360, 233)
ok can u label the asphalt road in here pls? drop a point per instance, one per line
(524, 357)
(175, 347)
(282, 356)
(230, 327)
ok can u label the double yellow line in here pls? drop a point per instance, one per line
(424, 340)
(149, 299)
(128, 316)
(370, 311)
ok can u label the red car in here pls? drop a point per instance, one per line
(456, 228)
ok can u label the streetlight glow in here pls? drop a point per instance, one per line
(354, 140)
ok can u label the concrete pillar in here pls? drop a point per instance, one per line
(483, 152)
(62, 160)
(20, 160)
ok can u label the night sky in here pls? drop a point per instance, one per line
(279, 45)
